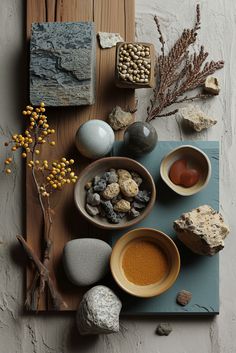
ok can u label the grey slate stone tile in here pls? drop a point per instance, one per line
(63, 63)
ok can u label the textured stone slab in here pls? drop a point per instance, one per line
(62, 63)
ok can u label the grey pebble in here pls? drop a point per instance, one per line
(116, 199)
(107, 206)
(113, 217)
(93, 199)
(100, 186)
(134, 213)
(164, 329)
(96, 179)
(92, 210)
(138, 205)
(137, 178)
(143, 196)
(110, 177)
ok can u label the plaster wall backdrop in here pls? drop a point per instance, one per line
(56, 333)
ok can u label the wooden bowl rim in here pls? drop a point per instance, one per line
(169, 240)
(131, 222)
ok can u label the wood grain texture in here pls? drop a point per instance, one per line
(109, 16)
(22, 333)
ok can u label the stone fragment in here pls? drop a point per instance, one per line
(110, 177)
(96, 179)
(123, 175)
(139, 205)
(143, 196)
(129, 188)
(134, 213)
(137, 178)
(183, 297)
(202, 230)
(88, 185)
(196, 118)
(116, 199)
(92, 210)
(107, 207)
(100, 185)
(63, 63)
(86, 260)
(164, 329)
(122, 206)
(112, 190)
(113, 217)
(119, 119)
(93, 199)
(211, 85)
(98, 312)
(109, 40)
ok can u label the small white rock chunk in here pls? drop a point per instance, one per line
(119, 119)
(99, 312)
(86, 260)
(211, 85)
(109, 40)
(202, 230)
(196, 118)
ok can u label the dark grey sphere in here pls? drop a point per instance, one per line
(140, 138)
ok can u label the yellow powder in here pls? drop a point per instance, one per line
(144, 262)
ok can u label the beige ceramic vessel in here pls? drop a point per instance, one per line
(165, 243)
(98, 168)
(196, 159)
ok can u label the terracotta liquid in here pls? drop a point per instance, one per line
(144, 262)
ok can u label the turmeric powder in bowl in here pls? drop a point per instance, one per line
(144, 262)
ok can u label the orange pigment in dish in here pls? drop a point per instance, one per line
(144, 262)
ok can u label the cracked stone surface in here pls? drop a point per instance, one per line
(62, 64)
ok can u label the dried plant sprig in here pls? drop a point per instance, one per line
(48, 177)
(179, 72)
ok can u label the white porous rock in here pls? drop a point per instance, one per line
(109, 40)
(119, 119)
(196, 118)
(211, 85)
(202, 230)
(98, 312)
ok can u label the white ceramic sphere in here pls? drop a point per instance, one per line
(94, 139)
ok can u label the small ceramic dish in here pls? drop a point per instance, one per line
(101, 166)
(196, 159)
(164, 242)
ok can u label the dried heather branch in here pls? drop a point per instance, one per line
(179, 72)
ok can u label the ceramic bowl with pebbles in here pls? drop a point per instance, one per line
(115, 192)
(135, 65)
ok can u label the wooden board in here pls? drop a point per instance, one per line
(109, 16)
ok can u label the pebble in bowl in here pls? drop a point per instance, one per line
(194, 161)
(145, 262)
(115, 192)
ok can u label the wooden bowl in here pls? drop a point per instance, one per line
(168, 247)
(98, 168)
(196, 159)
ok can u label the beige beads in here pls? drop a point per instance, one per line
(129, 188)
(134, 64)
(112, 190)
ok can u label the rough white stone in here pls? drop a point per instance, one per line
(202, 230)
(118, 119)
(196, 118)
(99, 312)
(109, 40)
(212, 85)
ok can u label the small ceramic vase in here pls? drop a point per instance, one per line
(94, 139)
(140, 138)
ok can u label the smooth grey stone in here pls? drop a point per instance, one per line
(86, 260)
(99, 312)
(93, 199)
(164, 329)
(63, 63)
(92, 210)
(140, 138)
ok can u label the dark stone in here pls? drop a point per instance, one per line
(62, 63)
(134, 213)
(140, 138)
(107, 207)
(183, 297)
(138, 205)
(100, 186)
(143, 196)
(164, 329)
(113, 217)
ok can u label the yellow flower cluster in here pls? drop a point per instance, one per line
(36, 133)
